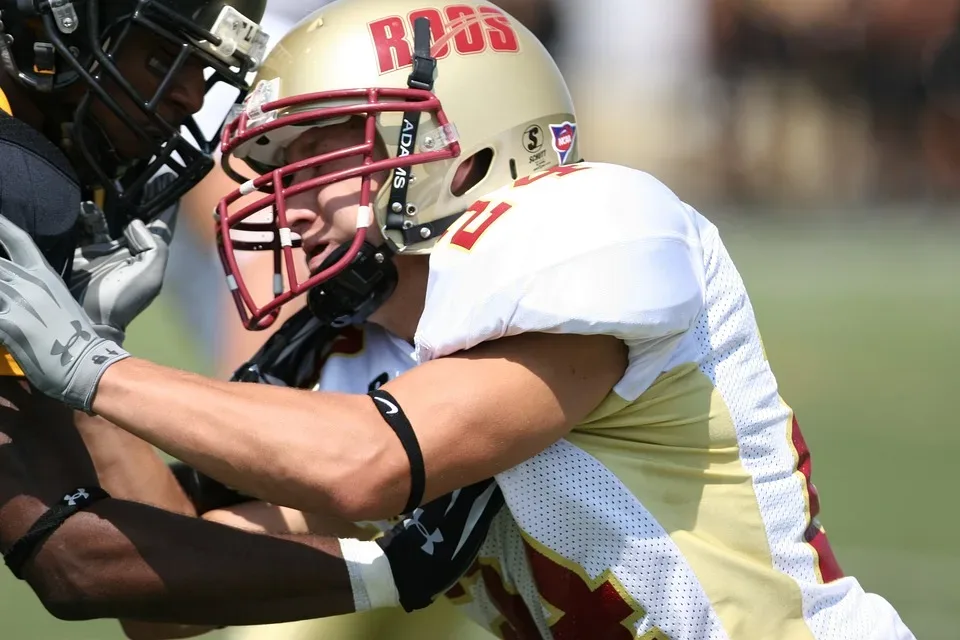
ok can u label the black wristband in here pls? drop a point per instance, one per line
(391, 412)
(21, 550)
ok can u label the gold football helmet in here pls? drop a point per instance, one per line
(437, 83)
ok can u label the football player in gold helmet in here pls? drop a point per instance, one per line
(581, 336)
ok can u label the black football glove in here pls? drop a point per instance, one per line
(434, 547)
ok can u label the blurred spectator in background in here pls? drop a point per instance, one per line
(940, 128)
(824, 100)
(639, 74)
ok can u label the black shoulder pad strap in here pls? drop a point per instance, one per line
(292, 355)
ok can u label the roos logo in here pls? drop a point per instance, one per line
(458, 28)
(564, 135)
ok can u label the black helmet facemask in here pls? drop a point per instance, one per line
(49, 45)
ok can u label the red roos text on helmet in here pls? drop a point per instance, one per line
(461, 28)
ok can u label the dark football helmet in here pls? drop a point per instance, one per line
(50, 46)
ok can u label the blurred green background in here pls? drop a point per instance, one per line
(860, 322)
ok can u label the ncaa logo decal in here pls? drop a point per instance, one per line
(564, 135)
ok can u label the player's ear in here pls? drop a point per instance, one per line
(471, 171)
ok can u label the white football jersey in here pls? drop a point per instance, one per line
(682, 507)
(364, 358)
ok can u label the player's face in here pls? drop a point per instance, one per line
(143, 60)
(326, 218)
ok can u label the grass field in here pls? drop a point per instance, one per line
(860, 321)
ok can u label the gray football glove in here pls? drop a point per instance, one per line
(45, 329)
(117, 280)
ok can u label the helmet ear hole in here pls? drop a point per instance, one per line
(471, 172)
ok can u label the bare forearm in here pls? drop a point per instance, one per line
(313, 452)
(262, 517)
(130, 468)
(127, 560)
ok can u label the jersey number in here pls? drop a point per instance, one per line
(481, 219)
(470, 231)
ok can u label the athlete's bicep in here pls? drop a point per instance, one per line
(482, 411)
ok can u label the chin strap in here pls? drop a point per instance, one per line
(422, 76)
(354, 294)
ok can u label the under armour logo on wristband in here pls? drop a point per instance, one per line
(81, 494)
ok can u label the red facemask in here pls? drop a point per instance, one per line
(276, 186)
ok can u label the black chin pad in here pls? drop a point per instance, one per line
(356, 292)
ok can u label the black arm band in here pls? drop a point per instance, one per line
(21, 550)
(390, 409)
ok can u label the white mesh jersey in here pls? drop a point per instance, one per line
(682, 507)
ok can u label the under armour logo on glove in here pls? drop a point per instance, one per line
(460, 520)
(431, 538)
(71, 501)
(64, 350)
(36, 311)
